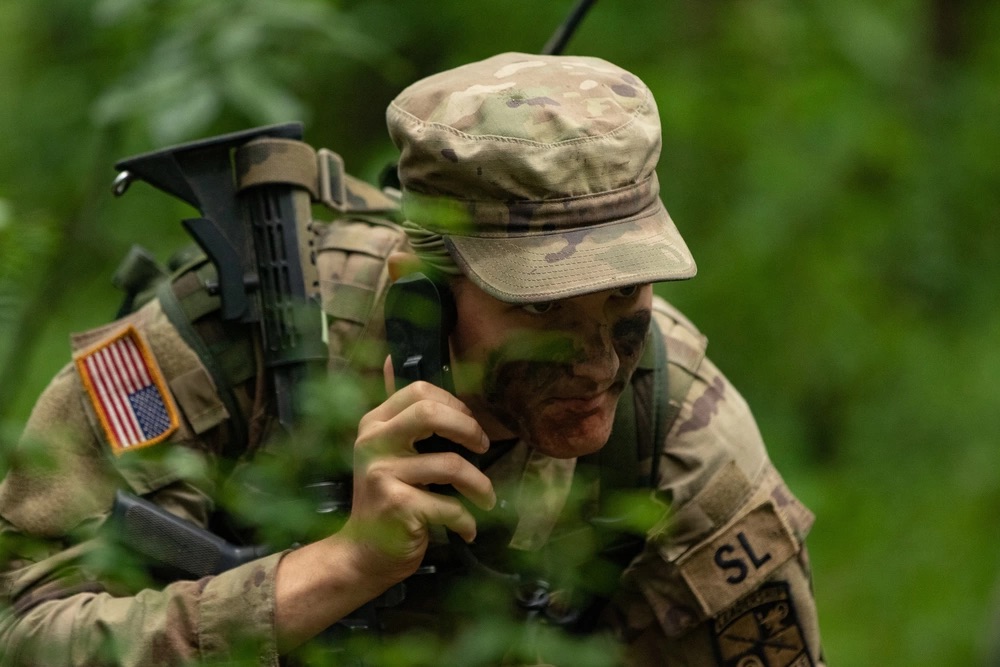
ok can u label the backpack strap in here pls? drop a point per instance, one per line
(662, 418)
(137, 273)
(629, 459)
(229, 358)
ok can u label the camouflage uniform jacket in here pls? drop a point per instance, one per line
(723, 580)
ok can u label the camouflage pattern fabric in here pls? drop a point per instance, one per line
(539, 171)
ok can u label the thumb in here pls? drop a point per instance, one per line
(389, 376)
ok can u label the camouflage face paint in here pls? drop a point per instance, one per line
(532, 384)
(629, 335)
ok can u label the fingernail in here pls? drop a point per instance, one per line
(485, 443)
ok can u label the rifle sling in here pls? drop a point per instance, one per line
(272, 160)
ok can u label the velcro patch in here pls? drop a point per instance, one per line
(738, 558)
(762, 630)
(128, 391)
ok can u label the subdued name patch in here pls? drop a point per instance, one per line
(128, 391)
(762, 630)
(738, 558)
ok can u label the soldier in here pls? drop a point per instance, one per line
(530, 197)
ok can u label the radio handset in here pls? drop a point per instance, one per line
(419, 316)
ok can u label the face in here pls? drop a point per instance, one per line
(552, 372)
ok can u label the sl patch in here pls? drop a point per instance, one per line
(762, 630)
(128, 391)
(738, 558)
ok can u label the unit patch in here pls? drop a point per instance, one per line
(738, 558)
(128, 391)
(762, 631)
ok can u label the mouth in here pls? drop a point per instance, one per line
(585, 404)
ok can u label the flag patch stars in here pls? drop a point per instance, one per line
(128, 391)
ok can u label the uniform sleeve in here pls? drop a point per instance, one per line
(725, 579)
(223, 619)
(66, 595)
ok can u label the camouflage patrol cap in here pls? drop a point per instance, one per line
(551, 162)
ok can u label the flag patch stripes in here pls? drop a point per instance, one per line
(128, 391)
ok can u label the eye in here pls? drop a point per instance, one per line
(538, 308)
(626, 292)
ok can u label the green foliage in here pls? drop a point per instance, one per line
(295, 490)
(203, 59)
(832, 166)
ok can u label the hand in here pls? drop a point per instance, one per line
(392, 507)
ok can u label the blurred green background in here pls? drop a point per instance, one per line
(832, 165)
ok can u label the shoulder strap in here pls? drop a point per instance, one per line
(185, 299)
(629, 460)
(663, 417)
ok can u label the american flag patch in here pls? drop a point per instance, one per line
(128, 392)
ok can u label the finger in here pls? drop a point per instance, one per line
(389, 376)
(412, 393)
(450, 513)
(391, 501)
(448, 468)
(426, 418)
(418, 421)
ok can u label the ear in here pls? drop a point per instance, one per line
(402, 264)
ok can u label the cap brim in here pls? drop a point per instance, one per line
(644, 248)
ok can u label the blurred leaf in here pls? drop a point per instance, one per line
(206, 57)
(262, 100)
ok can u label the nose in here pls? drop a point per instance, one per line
(597, 360)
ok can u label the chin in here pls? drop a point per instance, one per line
(565, 450)
(560, 444)
(566, 435)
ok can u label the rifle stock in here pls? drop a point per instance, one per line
(256, 236)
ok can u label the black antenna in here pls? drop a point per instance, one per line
(557, 42)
